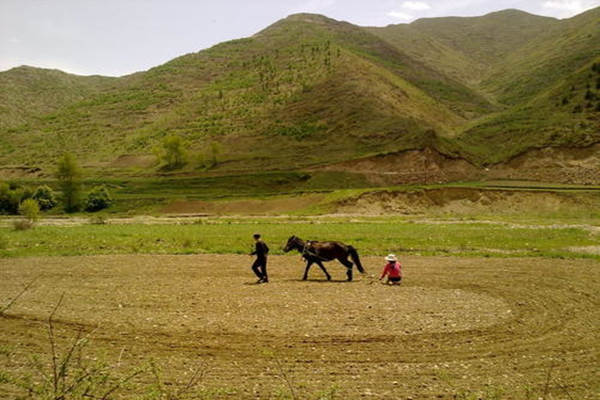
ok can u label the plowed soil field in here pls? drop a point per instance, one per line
(457, 328)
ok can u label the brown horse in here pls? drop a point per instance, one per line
(317, 252)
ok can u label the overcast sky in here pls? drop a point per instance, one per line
(118, 37)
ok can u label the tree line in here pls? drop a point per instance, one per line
(29, 202)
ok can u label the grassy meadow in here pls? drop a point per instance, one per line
(371, 236)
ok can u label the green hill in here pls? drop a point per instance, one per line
(27, 93)
(310, 90)
(307, 82)
(466, 47)
(543, 61)
(538, 69)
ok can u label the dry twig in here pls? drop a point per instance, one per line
(10, 303)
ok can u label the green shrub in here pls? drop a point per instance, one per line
(299, 131)
(4, 197)
(172, 152)
(589, 95)
(98, 220)
(99, 198)
(45, 197)
(11, 196)
(22, 224)
(30, 209)
(69, 175)
(210, 158)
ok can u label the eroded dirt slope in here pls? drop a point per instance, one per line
(557, 165)
(467, 201)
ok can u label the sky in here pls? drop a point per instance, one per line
(119, 37)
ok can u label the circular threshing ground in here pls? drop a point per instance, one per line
(457, 326)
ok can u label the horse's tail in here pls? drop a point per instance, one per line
(355, 258)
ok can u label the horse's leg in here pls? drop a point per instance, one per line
(308, 264)
(348, 264)
(320, 264)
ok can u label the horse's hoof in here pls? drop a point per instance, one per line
(304, 278)
(329, 278)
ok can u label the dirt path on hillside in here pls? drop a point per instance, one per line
(456, 326)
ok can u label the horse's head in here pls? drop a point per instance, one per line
(291, 244)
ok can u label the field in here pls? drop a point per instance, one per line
(470, 147)
(502, 237)
(462, 328)
(489, 309)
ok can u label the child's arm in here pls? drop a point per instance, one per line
(384, 272)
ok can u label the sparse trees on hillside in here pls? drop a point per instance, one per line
(69, 177)
(172, 153)
(210, 157)
(589, 95)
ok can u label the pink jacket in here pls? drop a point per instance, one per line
(392, 269)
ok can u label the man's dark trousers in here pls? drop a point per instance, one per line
(260, 268)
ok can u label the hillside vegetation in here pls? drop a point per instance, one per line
(310, 90)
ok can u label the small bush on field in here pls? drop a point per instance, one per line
(98, 199)
(30, 209)
(98, 220)
(45, 197)
(22, 224)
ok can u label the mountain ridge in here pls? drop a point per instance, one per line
(311, 82)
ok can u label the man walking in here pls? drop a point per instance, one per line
(260, 264)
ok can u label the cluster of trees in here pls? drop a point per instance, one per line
(27, 201)
(591, 97)
(69, 180)
(12, 196)
(172, 153)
